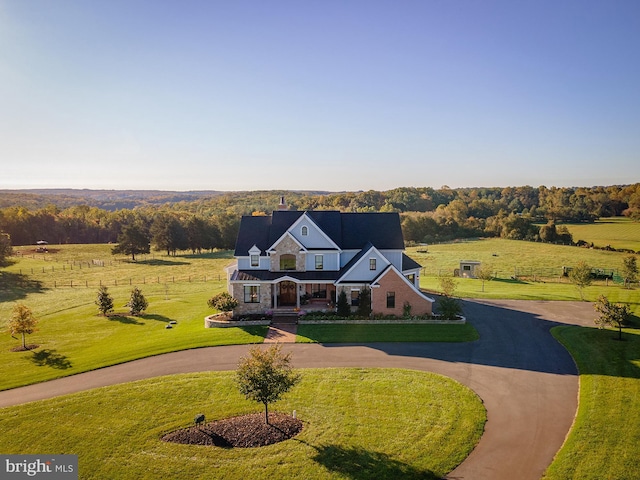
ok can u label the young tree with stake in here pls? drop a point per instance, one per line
(265, 375)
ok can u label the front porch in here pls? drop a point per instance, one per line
(290, 295)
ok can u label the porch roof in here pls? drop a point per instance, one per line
(267, 276)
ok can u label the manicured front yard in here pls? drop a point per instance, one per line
(358, 424)
(358, 333)
(605, 439)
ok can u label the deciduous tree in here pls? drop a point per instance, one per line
(22, 322)
(580, 276)
(223, 302)
(612, 314)
(265, 375)
(629, 270)
(132, 241)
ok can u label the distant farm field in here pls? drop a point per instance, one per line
(618, 232)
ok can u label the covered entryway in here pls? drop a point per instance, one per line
(288, 294)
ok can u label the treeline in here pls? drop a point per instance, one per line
(428, 215)
(166, 229)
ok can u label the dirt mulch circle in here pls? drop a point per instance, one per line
(23, 349)
(245, 431)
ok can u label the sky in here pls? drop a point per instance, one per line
(318, 95)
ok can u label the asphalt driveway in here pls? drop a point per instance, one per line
(527, 381)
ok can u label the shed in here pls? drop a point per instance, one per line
(468, 268)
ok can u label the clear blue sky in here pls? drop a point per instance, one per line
(323, 95)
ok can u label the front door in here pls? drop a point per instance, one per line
(288, 294)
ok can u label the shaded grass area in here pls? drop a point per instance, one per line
(605, 439)
(358, 424)
(74, 338)
(327, 333)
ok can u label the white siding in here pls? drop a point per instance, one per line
(314, 238)
(330, 260)
(244, 263)
(362, 271)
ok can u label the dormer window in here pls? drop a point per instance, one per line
(254, 257)
(304, 230)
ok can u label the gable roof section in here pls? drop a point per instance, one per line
(365, 252)
(347, 230)
(313, 223)
(409, 263)
(252, 231)
(381, 229)
(394, 270)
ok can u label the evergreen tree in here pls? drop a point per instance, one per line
(137, 303)
(104, 301)
(343, 307)
(364, 304)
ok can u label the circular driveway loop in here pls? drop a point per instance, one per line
(527, 381)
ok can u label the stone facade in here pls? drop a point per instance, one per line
(247, 308)
(288, 246)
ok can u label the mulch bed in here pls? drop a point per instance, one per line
(243, 432)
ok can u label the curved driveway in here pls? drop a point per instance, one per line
(527, 381)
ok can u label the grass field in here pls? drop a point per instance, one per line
(605, 439)
(358, 424)
(74, 338)
(618, 232)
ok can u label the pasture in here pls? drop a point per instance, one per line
(618, 232)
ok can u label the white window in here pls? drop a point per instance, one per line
(255, 261)
(304, 231)
(319, 262)
(251, 294)
(372, 264)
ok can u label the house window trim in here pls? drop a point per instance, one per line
(304, 231)
(289, 257)
(373, 264)
(319, 264)
(391, 299)
(253, 297)
(257, 260)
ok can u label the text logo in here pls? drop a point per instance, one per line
(45, 467)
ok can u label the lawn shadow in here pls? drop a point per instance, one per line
(50, 358)
(125, 319)
(361, 464)
(14, 286)
(161, 263)
(511, 281)
(159, 318)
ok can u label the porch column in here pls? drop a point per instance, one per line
(275, 295)
(297, 296)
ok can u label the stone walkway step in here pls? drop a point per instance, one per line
(281, 333)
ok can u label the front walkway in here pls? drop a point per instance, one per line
(281, 333)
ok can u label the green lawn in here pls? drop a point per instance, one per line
(358, 424)
(619, 232)
(386, 333)
(605, 439)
